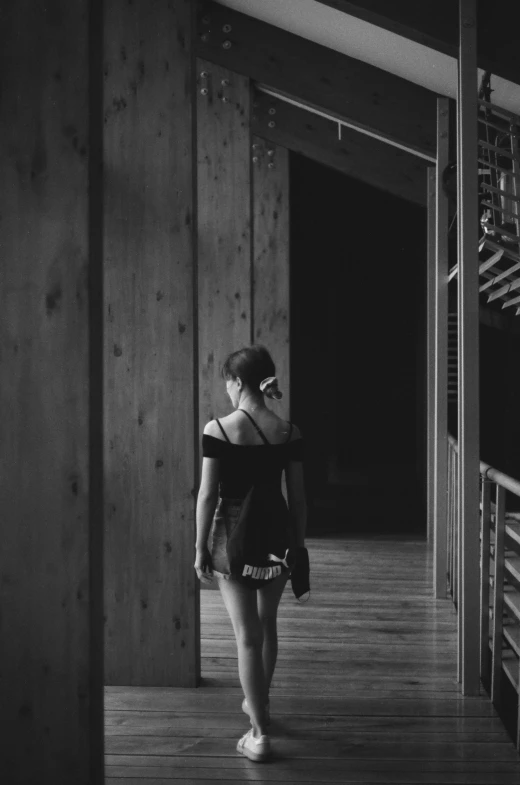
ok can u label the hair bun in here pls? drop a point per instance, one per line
(269, 387)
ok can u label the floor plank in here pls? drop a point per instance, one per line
(365, 689)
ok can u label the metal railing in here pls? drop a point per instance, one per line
(499, 575)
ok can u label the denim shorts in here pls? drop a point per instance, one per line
(224, 520)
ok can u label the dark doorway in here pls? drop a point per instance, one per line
(358, 351)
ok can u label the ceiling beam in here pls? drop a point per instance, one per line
(356, 155)
(434, 23)
(366, 96)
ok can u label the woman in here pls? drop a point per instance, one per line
(250, 445)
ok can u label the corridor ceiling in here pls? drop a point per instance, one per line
(348, 34)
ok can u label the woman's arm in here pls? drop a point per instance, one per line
(206, 500)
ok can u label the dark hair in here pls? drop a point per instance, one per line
(252, 364)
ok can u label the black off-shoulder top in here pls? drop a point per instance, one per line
(242, 464)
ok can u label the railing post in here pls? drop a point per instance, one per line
(498, 594)
(485, 527)
(468, 368)
(440, 358)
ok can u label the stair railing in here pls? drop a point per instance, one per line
(499, 575)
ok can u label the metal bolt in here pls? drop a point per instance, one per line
(204, 91)
(272, 110)
(226, 45)
(225, 100)
(204, 74)
(225, 82)
(255, 159)
(270, 165)
(204, 38)
(255, 146)
(226, 29)
(271, 124)
(270, 152)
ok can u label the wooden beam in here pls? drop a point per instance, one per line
(51, 557)
(367, 96)
(434, 24)
(356, 155)
(468, 371)
(270, 277)
(151, 597)
(224, 228)
(440, 414)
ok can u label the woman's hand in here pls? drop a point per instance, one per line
(204, 565)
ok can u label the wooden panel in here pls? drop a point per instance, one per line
(344, 86)
(149, 459)
(224, 234)
(51, 634)
(368, 664)
(271, 260)
(356, 155)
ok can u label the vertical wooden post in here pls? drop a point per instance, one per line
(51, 655)
(224, 228)
(270, 279)
(151, 587)
(468, 368)
(430, 352)
(440, 383)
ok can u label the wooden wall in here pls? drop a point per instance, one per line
(151, 598)
(271, 303)
(224, 228)
(243, 237)
(51, 626)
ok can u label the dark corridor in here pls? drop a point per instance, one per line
(358, 346)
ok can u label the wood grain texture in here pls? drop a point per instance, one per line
(271, 306)
(48, 646)
(365, 688)
(151, 633)
(355, 154)
(366, 95)
(224, 229)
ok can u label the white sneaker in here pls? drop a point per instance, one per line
(254, 749)
(245, 709)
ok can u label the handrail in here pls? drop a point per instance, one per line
(489, 473)
(499, 576)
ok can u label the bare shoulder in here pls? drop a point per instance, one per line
(229, 419)
(211, 429)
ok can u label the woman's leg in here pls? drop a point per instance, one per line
(267, 602)
(241, 605)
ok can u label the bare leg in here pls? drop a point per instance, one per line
(241, 605)
(268, 599)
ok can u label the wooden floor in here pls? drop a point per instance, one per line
(365, 689)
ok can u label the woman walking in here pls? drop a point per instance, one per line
(251, 446)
